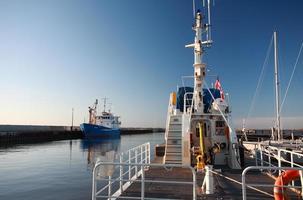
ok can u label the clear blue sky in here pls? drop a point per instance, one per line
(55, 55)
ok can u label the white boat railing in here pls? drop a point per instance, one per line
(185, 100)
(266, 168)
(169, 113)
(266, 155)
(129, 162)
(270, 156)
(132, 172)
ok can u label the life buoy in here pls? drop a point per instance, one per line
(284, 179)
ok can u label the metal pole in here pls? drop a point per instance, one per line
(277, 84)
(243, 185)
(148, 153)
(129, 167)
(141, 154)
(142, 182)
(109, 186)
(136, 161)
(279, 160)
(94, 186)
(72, 119)
(121, 173)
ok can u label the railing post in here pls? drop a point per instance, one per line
(109, 187)
(244, 184)
(148, 153)
(279, 160)
(141, 154)
(269, 159)
(129, 166)
(194, 184)
(121, 173)
(145, 154)
(94, 186)
(292, 165)
(142, 183)
(261, 157)
(136, 161)
(256, 156)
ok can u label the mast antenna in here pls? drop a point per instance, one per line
(208, 25)
(194, 8)
(104, 104)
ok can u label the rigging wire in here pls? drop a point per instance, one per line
(291, 77)
(261, 78)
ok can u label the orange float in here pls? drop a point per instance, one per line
(284, 179)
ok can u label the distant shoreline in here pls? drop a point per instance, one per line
(36, 133)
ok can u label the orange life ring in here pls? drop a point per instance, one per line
(284, 179)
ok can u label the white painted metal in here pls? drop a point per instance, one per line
(265, 168)
(139, 154)
(118, 194)
(209, 180)
(277, 89)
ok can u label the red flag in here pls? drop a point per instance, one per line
(219, 87)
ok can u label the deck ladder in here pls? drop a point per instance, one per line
(173, 150)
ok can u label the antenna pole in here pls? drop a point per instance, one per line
(208, 25)
(277, 84)
(72, 119)
(199, 66)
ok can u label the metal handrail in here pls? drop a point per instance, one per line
(185, 99)
(275, 153)
(270, 152)
(245, 185)
(169, 110)
(142, 166)
(141, 153)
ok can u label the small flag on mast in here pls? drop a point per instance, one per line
(219, 87)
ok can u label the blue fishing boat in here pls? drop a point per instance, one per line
(106, 125)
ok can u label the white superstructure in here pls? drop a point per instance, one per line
(198, 128)
(106, 119)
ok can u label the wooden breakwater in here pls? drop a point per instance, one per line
(28, 133)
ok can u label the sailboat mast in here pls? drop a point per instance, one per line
(277, 84)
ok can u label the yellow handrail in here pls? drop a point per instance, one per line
(200, 157)
(201, 139)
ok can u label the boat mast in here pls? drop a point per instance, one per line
(199, 66)
(277, 84)
(104, 104)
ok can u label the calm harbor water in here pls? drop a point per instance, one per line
(59, 169)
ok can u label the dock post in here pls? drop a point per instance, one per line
(209, 179)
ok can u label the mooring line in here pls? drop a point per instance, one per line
(240, 183)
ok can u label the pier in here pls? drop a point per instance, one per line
(31, 133)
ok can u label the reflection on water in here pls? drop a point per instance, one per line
(60, 169)
(105, 150)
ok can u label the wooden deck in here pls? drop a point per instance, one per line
(227, 184)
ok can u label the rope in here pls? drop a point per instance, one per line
(261, 78)
(291, 77)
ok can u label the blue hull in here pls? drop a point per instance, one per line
(97, 131)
